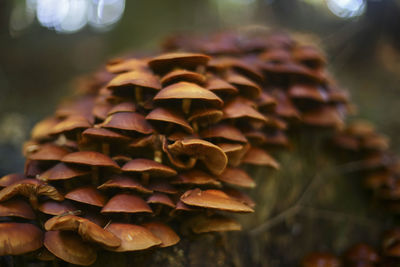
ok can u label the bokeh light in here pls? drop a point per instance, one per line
(346, 8)
(67, 16)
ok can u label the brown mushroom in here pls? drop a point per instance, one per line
(69, 247)
(57, 208)
(133, 237)
(239, 108)
(188, 92)
(16, 208)
(88, 195)
(168, 117)
(11, 178)
(161, 199)
(166, 62)
(211, 155)
(87, 230)
(257, 156)
(163, 232)
(148, 168)
(62, 171)
(19, 238)
(128, 121)
(213, 199)
(49, 152)
(195, 177)
(237, 177)
(126, 203)
(31, 189)
(124, 182)
(216, 223)
(179, 75)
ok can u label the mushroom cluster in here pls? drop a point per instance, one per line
(359, 142)
(292, 73)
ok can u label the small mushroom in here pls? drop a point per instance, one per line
(88, 195)
(128, 121)
(133, 237)
(57, 208)
(19, 238)
(166, 62)
(237, 177)
(195, 177)
(62, 171)
(179, 75)
(148, 168)
(49, 152)
(163, 232)
(104, 137)
(169, 118)
(69, 247)
(122, 107)
(188, 92)
(257, 156)
(11, 178)
(126, 203)
(213, 199)
(124, 182)
(161, 199)
(238, 108)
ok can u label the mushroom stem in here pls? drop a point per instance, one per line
(95, 175)
(195, 126)
(186, 105)
(158, 156)
(157, 210)
(145, 178)
(105, 148)
(34, 201)
(138, 95)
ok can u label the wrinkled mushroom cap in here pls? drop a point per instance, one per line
(19, 238)
(88, 230)
(211, 155)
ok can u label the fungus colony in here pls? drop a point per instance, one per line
(154, 145)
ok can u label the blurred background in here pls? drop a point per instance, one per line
(46, 44)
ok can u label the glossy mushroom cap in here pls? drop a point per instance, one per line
(19, 238)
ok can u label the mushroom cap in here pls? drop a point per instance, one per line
(56, 208)
(71, 123)
(69, 247)
(238, 177)
(88, 195)
(169, 116)
(126, 203)
(234, 152)
(153, 168)
(216, 223)
(320, 259)
(49, 152)
(195, 177)
(224, 131)
(122, 107)
(126, 65)
(19, 238)
(257, 156)
(124, 182)
(11, 178)
(162, 199)
(163, 187)
(238, 108)
(43, 128)
(101, 134)
(30, 188)
(135, 78)
(165, 62)
(87, 230)
(16, 208)
(213, 199)
(212, 156)
(240, 196)
(129, 121)
(303, 91)
(323, 117)
(182, 75)
(90, 158)
(246, 86)
(206, 116)
(186, 90)
(220, 86)
(62, 171)
(133, 237)
(163, 232)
